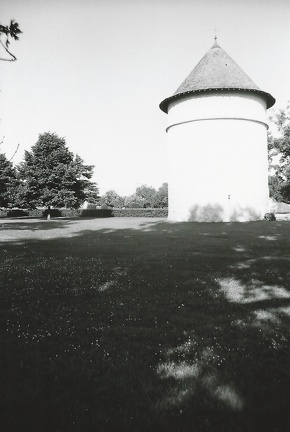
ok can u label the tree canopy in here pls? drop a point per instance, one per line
(8, 182)
(144, 196)
(162, 195)
(112, 199)
(10, 31)
(148, 195)
(51, 176)
(279, 157)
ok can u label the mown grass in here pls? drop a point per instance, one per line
(144, 325)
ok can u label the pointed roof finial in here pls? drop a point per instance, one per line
(215, 45)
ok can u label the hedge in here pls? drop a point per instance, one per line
(141, 212)
(83, 213)
(13, 213)
(96, 213)
(127, 212)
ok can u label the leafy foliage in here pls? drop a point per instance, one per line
(134, 201)
(147, 194)
(8, 182)
(153, 198)
(162, 195)
(144, 197)
(141, 212)
(52, 176)
(112, 199)
(270, 217)
(279, 157)
(11, 31)
(275, 188)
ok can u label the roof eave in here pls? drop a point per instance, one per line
(270, 100)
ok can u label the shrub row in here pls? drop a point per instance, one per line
(96, 213)
(90, 213)
(13, 213)
(127, 212)
(141, 212)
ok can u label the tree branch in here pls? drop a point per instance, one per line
(14, 153)
(6, 49)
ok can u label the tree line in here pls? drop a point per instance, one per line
(144, 197)
(52, 176)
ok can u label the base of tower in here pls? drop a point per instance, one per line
(216, 212)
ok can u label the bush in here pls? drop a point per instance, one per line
(90, 213)
(17, 213)
(70, 212)
(97, 213)
(35, 213)
(141, 212)
(270, 217)
(91, 206)
(53, 212)
(134, 205)
(3, 212)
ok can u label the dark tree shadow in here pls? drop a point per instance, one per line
(207, 213)
(33, 224)
(217, 213)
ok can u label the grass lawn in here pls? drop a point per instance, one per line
(144, 325)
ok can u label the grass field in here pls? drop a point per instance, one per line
(144, 325)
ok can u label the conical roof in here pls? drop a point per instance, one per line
(216, 71)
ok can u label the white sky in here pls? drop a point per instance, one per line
(95, 71)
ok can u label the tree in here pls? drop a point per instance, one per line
(144, 196)
(151, 197)
(8, 182)
(112, 199)
(11, 31)
(275, 188)
(279, 157)
(85, 189)
(51, 176)
(148, 195)
(134, 201)
(162, 196)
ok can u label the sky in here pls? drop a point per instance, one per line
(95, 71)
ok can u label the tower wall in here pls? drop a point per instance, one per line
(218, 164)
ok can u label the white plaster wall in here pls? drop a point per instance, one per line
(248, 106)
(218, 167)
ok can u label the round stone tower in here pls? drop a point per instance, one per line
(217, 138)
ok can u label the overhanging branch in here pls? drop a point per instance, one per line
(10, 53)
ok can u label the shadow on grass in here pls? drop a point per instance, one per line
(32, 224)
(149, 326)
